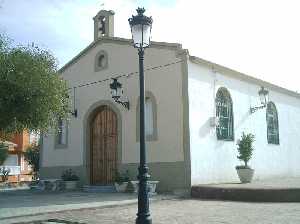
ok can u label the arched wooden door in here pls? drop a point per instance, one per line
(104, 141)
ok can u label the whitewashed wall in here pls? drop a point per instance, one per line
(214, 161)
(123, 59)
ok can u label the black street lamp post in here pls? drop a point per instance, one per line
(141, 30)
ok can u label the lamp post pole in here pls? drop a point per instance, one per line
(141, 32)
(143, 215)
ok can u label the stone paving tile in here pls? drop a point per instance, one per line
(25, 203)
(182, 211)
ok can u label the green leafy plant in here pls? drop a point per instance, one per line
(3, 153)
(121, 178)
(69, 175)
(245, 149)
(32, 156)
(5, 172)
(32, 94)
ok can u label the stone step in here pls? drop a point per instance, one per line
(99, 188)
(259, 194)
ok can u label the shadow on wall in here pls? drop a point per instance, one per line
(205, 129)
(242, 120)
(208, 131)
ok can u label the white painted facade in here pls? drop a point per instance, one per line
(166, 150)
(122, 59)
(214, 161)
(186, 150)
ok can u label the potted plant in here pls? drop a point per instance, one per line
(32, 156)
(4, 173)
(245, 149)
(121, 181)
(70, 179)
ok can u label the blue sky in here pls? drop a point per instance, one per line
(63, 26)
(257, 37)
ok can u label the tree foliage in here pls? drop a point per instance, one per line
(32, 94)
(245, 147)
(3, 153)
(32, 156)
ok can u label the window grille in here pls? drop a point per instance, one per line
(272, 124)
(224, 113)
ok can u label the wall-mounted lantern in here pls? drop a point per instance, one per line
(264, 99)
(73, 111)
(117, 92)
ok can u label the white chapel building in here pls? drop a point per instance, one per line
(196, 111)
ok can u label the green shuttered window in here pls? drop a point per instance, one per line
(224, 114)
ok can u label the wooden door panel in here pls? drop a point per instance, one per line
(104, 146)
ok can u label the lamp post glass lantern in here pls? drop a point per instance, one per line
(141, 32)
(141, 26)
(263, 95)
(117, 92)
(116, 89)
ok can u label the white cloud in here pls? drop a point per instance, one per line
(257, 37)
(260, 38)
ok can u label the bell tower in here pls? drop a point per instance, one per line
(104, 24)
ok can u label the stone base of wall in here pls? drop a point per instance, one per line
(171, 176)
(55, 172)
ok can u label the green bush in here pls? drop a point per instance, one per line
(32, 93)
(3, 153)
(121, 178)
(5, 172)
(32, 156)
(245, 149)
(69, 175)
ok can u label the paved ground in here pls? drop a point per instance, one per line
(107, 208)
(180, 211)
(20, 203)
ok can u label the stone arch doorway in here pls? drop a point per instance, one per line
(103, 146)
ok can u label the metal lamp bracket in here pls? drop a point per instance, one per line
(123, 103)
(254, 109)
